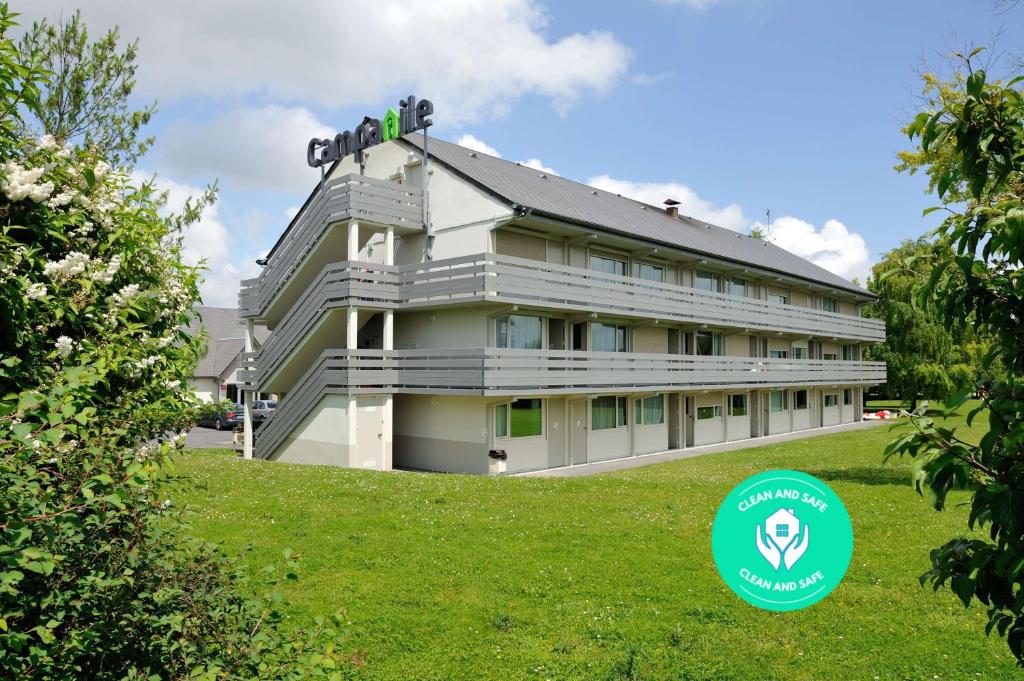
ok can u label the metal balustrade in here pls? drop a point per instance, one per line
(347, 197)
(506, 372)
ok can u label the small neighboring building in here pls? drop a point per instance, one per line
(216, 375)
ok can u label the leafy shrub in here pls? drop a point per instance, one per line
(97, 577)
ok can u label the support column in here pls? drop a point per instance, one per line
(352, 439)
(352, 328)
(247, 403)
(353, 240)
(387, 417)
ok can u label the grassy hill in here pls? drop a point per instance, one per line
(605, 577)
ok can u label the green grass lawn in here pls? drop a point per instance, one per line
(604, 577)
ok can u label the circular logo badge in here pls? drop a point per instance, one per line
(782, 540)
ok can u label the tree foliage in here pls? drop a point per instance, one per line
(98, 578)
(923, 355)
(85, 98)
(975, 133)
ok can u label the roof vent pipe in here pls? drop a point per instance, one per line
(672, 207)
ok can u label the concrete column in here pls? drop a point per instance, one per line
(352, 434)
(247, 402)
(353, 240)
(388, 430)
(352, 328)
(389, 246)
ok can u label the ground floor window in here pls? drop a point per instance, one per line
(799, 399)
(777, 401)
(847, 396)
(738, 405)
(608, 412)
(650, 410)
(707, 413)
(522, 418)
(831, 400)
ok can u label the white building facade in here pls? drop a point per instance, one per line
(508, 320)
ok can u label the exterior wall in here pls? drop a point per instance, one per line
(737, 345)
(321, 437)
(650, 339)
(507, 242)
(609, 443)
(708, 431)
(653, 438)
(465, 327)
(441, 433)
(830, 416)
(737, 427)
(801, 417)
(206, 389)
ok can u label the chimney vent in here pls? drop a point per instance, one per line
(672, 207)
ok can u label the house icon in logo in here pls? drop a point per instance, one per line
(784, 538)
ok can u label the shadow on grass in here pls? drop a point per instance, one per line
(865, 475)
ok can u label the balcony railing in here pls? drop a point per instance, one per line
(500, 372)
(342, 198)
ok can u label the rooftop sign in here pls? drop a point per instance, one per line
(411, 116)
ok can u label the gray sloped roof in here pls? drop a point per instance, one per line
(569, 200)
(225, 332)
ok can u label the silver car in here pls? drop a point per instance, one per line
(261, 409)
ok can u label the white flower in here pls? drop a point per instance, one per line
(120, 298)
(19, 183)
(35, 291)
(101, 169)
(36, 444)
(107, 275)
(173, 385)
(47, 143)
(64, 346)
(71, 265)
(62, 199)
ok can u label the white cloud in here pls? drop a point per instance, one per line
(473, 59)
(209, 240)
(256, 147)
(654, 193)
(536, 164)
(471, 142)
(833, 247)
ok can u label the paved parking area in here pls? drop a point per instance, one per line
(208, 438)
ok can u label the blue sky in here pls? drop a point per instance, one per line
(732, 106)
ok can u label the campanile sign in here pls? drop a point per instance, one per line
(412, 115)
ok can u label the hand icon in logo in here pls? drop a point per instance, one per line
(782, 541)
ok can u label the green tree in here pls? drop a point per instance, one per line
(98, 579)
(85, 98)
(974, 131)
(923, 356)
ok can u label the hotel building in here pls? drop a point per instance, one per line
(505, 319)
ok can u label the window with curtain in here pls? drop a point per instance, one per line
(650, 410)
(778, 299)
(737, 286)
(738, 405)
(778, 354)
(777, 401)
(608, 412)
(650, 272)
(607, 337)
(847, 353)
(799, 353)
(706, 281)
(708, 343)
(519, 331)
(829, 305)
(831, 400)
(608, 265)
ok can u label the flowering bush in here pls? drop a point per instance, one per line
(97, 579)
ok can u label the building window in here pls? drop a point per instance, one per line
(607, 337)
(833, 356)
(847, 353)
(709, 343)
(847, 396)
(799, 353)
(738, 405)
(782, 530)
(831, 400)
(829, 305)
(707, 281)
(650, 272)
(708, 413)
(607, 265)
(608, 412)
(522, 418)
(650, 411)
(777, 401)
(737, 287)
(799, 400)
(778, 354)
(518, 331)
(778, 299)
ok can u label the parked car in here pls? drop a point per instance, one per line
(261, 409)
(229, 418)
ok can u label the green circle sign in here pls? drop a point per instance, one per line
(782, 540)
